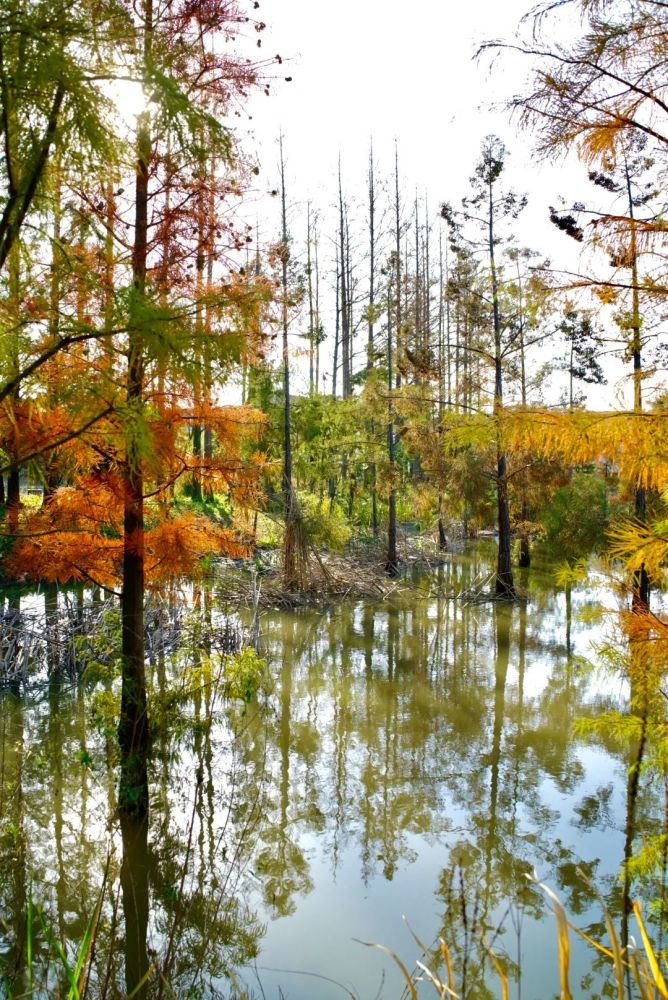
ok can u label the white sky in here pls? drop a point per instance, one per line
(393, 70)
(381, 68)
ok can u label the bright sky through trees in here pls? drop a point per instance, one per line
(381, 69)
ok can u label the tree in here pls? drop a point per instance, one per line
(291, 512)
(55, 60)
(493, 208)
(160, 348)
(582, 344)
(602, 95)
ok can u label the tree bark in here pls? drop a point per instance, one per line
(392, 562)
(289, 552)
(504, 585)
(133, 728)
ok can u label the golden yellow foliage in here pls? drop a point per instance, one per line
(634, 444)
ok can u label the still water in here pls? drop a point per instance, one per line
(412, 757)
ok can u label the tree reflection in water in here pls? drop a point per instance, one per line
(412, 756)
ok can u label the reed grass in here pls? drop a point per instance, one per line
(636, 972)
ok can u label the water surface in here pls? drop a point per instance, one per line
(415, 756)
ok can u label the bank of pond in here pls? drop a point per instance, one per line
(417, 755)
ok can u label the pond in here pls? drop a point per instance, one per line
(416, 756)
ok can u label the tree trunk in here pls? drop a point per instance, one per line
(392, 562)
(504, 574)
(337, 320)
(525, 549)
(311, 314)
(133, 728)
(345, 328)
(397, 236)
(370, 331)
(289, 550)
(640, 599)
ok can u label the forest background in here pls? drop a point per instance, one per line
(137, 288)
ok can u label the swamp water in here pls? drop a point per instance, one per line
(415, 756)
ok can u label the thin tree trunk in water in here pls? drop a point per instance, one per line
(289, 552)
(372, 263)
(335, 362)
(135, 901)
(504, 575)
(392, 562)
(397, 236)
(525, 550)
(632, 789)
(345, 316)
(371, 322)
(133, 730)
(349, 286)
(200, 263)
(49, 471)
(211, 224)
(311, 314)
(442, 538)
(640, 600)
(317, 314)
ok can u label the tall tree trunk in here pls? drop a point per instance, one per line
(200, 265)
(640, 600)
(311, 313)
(133, 729)
(397, 263)
(345, 314)
(208, 325)
(442, 538)
(504, 574)
(318, 329)
(337, 323)
(289, 503)
(371, 323)
(525, 549)
(50, 473)
(392, 561)
(135, 863)
(13, 475)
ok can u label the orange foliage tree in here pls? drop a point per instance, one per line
(122, 330)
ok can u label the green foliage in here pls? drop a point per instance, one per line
(217, 507)
(269, 532)
(243, 675)
(105, 707)
(326, 525)
(98, 654)
(575, 520)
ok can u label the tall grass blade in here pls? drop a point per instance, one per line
(58, 948)
(563, 943)
(590, 940)
(445, 952)
(617, 958)
(442, 990)
(657, 977)
(404, 971)
(141, 982)
(85, 949)
(499, 968)
(617, 954)
(427, 953)
(635, 969)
